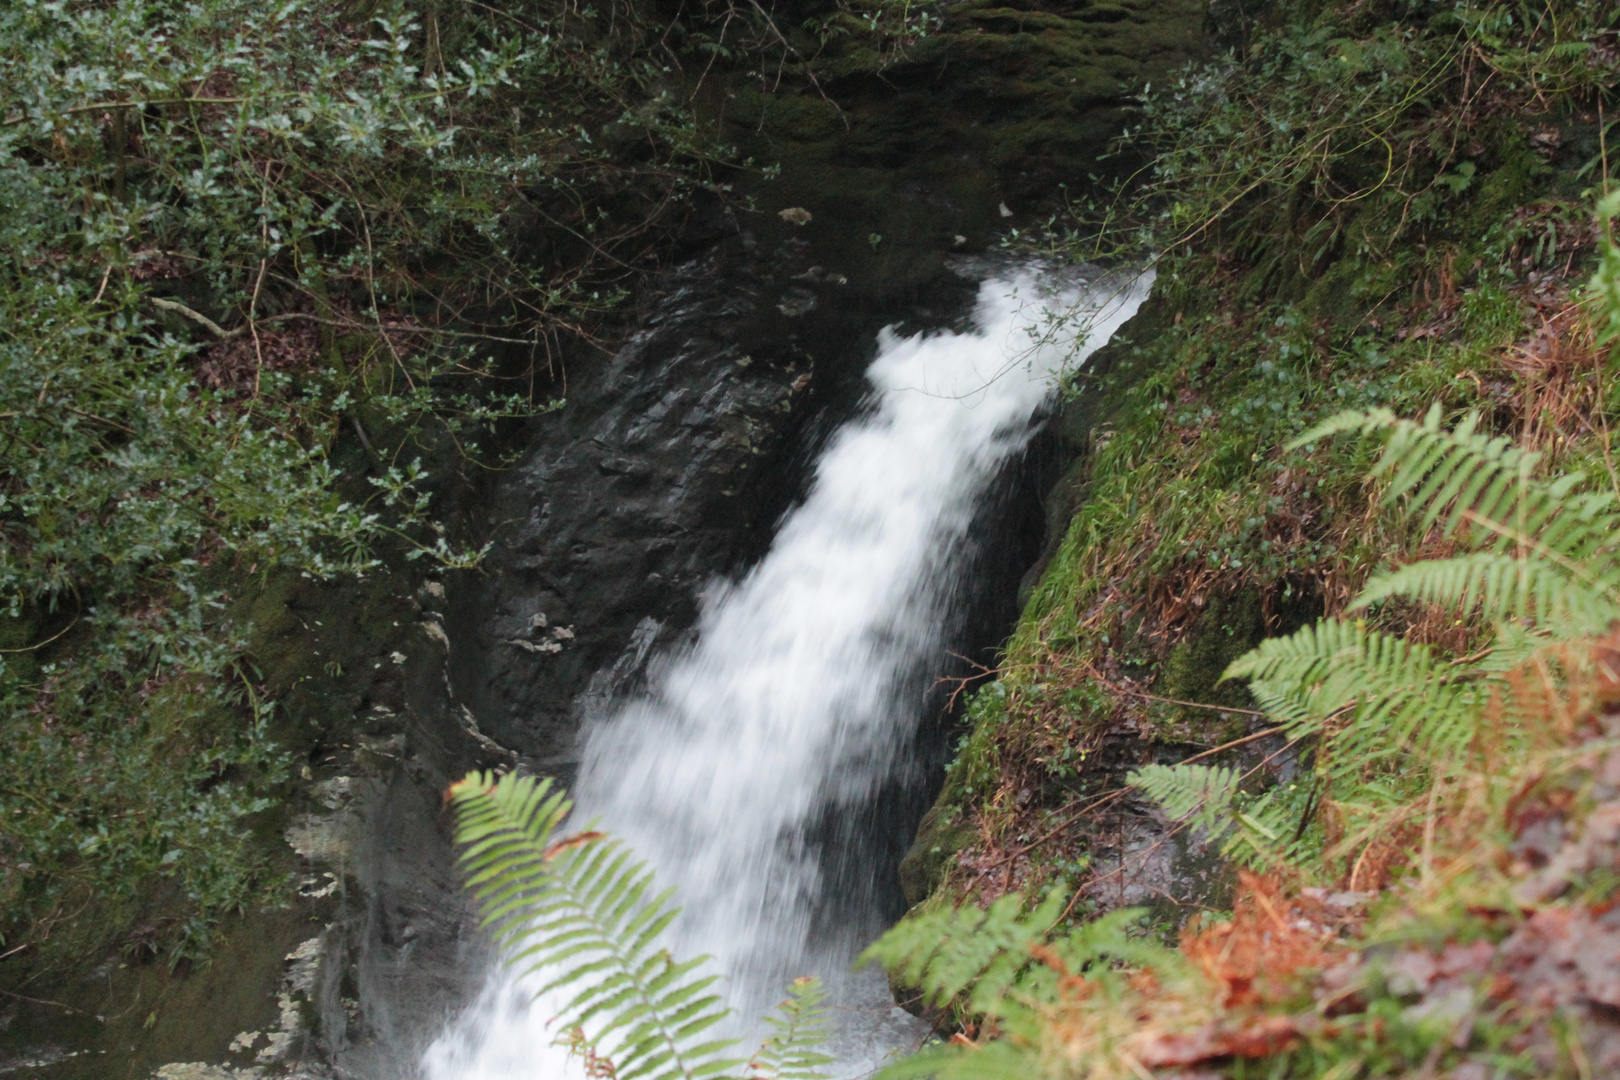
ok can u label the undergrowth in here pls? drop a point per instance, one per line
(245, 242)
(1372, 212)
(1443, 901)
(1371, 206)
(235, 235)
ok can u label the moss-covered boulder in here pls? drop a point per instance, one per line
(903, 153)
(940, 836)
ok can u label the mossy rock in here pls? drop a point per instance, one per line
(904, 157)
(1231, 625)
(939, 837)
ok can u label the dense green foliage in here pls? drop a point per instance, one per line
(1388, 719)
(1364, 131)
(580, 915)
(232, 234)
(1369, 206)
(1362, 190)
(1016, 976)
(1384, 208)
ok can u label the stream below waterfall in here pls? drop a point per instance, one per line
(794, 705)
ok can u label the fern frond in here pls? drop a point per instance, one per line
(997, 1059)
(1205, 796)
(1017, 982)
(1266, 837)
(1462, 476)
(949, 950)
(798, 1029)
(1395, 692)
(1457, 470)
(1440, 468)
(1515, 644)
(1038, 1009)
(1097, 945)
(1003, 960)
(1363, 422)
(1201, 794)
(580, 913)
(1503, 587)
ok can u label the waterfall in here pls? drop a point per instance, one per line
(792, 704)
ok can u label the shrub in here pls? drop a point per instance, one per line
(232, 233)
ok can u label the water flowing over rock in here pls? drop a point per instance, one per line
(807, 677)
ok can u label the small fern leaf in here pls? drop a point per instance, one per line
(1097, 945)
(798, 1030)
(1515, 644)
(1206, 796)
(1201, 794)
(1351, 421)
(1261, 839)
(1502, 587)
(948, 950)
(997, 1059)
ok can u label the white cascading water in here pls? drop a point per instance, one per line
(789, 705)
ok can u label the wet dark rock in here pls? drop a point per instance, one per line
(669, 466)
(1002, 105)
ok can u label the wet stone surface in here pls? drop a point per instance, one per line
(670, 466)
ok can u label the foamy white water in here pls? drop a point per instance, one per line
(790, 705)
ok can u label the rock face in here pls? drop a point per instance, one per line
(896, 158)
(991, 122)
(669, 466)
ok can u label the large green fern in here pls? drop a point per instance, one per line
(1384, 694)
(1545, 549)
(1501, 586)
(1544, 567)
(1367, 699)
(1007, 966)
(583, 917)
